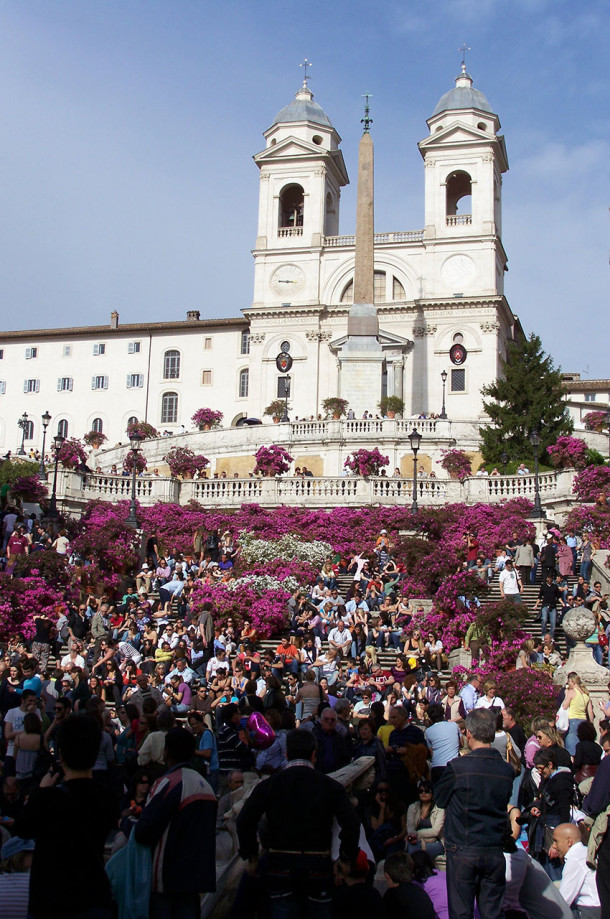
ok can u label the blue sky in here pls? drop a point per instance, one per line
(129, 128)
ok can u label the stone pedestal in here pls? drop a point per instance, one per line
(460, 657)
(360, 380)
(578, 625)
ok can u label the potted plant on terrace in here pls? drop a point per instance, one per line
(95, 439)
(335, 406)
(456, 463)
(391, 405)
(275, 409)
(366, 462)
(207, 418)
(184, 462)
(143, 429)
(72, 454)
(271, 461)
(140, 462)
(595, 421)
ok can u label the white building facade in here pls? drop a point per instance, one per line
(439, 293)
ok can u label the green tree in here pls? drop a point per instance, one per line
(529, 396)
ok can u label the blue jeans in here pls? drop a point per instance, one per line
(585, 570)
(475, 873)
(571, 738)
(549, 614)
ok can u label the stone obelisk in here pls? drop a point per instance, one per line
(361, 358)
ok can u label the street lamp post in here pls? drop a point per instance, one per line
(286, 394)
(53, 513)
(23, 424)
(535, 442)
(415, 439)
(42, 472)
(504, 461)
(443, 413)
(135, 440)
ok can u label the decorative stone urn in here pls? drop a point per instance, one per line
(578, 625)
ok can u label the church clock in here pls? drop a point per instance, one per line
(287, 280)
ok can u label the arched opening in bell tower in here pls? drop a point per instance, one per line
(459, 194)
(292, 199)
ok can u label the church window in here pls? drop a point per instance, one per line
(29, 430)
(283, 387)
(169, 408)
(590, 397)
(398, 291)
(291, 207)
(206, 377)
(285, 346)
(62, 428)
(244, 347)
(317, 139)
(31, 385)
(379, 287)
(244, 383)
(98, 425)
(348, 293)
(171, 365)
(207, 344)
(482, 126)
(64, 384)
(132, 420)
(458, 338)
(459, 191)
(458, 380)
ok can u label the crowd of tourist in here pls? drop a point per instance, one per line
(176, 716)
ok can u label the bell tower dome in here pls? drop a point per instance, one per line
(301, 175)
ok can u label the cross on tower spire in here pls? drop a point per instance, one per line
(305, 65)
(367, 120)
(464, 48)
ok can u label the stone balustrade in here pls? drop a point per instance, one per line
(75, 490)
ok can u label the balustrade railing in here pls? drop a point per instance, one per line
(459, 220)
(402, 236)
(284, 232)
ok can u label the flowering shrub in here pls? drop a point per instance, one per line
(143, 429)
(594, 520)
(366, 462)
(47, 564)
(105, 539)
(262, 551)
(265, 608)
(22, 600)
(29, 488)
(592, 482)
(71, 453)
(568, 452)
(272, 460)
(456, 463)
(137, 458)
(207, 416)
(529, 691)
(595, 421)
(94, 439)
(455, 607)
(182, 461)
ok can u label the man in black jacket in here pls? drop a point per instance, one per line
(549, 597)
(475, 790)
(300, 805)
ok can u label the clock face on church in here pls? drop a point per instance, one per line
(287, 280)
(459, 271)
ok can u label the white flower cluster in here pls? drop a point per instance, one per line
(263, 582)
(288, 548)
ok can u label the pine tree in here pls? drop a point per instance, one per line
(529, 397)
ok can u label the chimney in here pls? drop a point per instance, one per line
(114, 320)
(193, 316)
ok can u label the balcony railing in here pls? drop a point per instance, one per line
(404, 236)
(283, 232)
(459, 220)
(74, 490)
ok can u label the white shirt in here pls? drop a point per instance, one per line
(578, 885)
(15, 717)
(342, 638)
(213, 665)
(508, 581)
(79, 661)
(484, 702)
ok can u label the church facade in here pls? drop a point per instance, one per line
(438, 294)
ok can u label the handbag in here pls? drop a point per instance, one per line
(562, 719)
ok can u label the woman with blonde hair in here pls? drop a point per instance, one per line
(579, 708)
(532, 744)
(489, 699)
(524, 658)
(549, 738)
